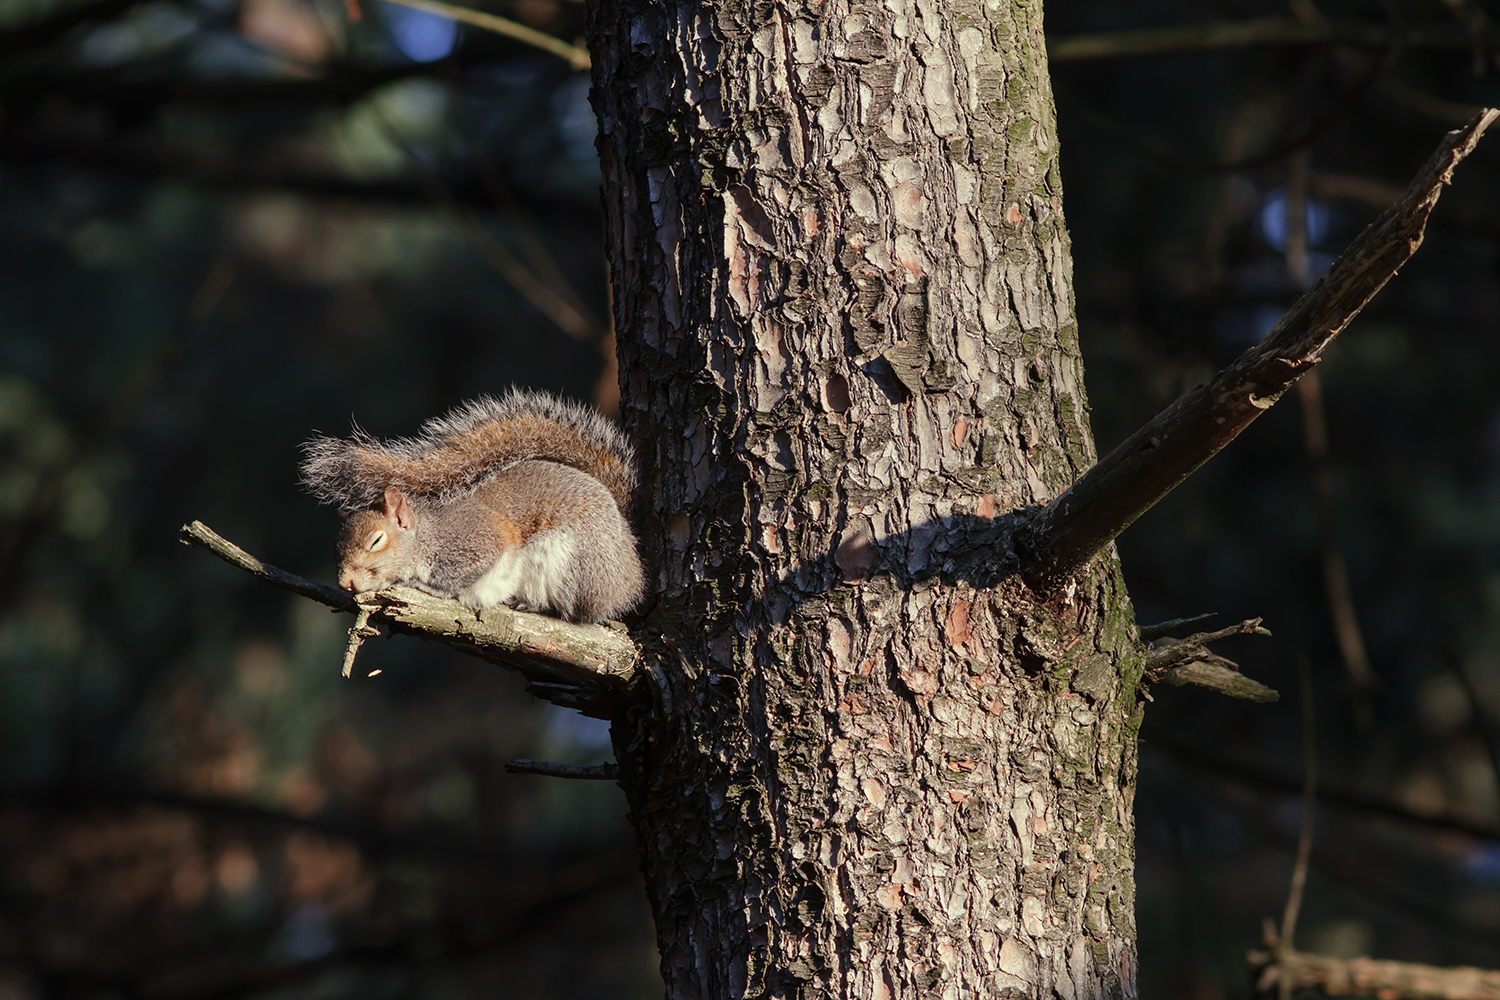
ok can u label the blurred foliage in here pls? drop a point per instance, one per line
(1179, 268)
(229, 224)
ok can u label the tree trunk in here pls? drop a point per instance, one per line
(865, 760)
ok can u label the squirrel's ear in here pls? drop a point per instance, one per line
(396, 506)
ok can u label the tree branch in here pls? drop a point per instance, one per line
(1193, 758)
(1217, 37)
(585, 772)
(1170, 652)
(153, 162)
(1155, 459)
(542, 648)
(1366, 977)
(1218, 677)
(577, 58)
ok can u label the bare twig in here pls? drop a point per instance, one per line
(1367, 977)
(541, 647)
(360, 631)
(1346, 628)
(1171, 652)
(577, 57)
(1150, 633)
(201, 535)
(1476, 708)
(1328, 796)
(553, 303)
(1289, 916)
(1219, 36)
(585, 772)
(1155, 459)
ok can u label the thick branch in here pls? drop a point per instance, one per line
(536, 645)
(1366, 977)
(1155, 459)
(1218, 36)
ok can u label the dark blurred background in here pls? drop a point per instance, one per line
(229, 224)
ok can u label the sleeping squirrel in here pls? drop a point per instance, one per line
(520, 500)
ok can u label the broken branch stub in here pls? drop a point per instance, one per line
(1155, 459)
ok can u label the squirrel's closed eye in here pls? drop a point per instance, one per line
(377, 541)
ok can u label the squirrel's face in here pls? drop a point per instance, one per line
(372, 546)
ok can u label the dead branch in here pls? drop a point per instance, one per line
(1219, 36)
(542, 648)
(1220, 678)
(1170, 652)
(1366, 977)
(584, 772)
(1155, 459)
(1150, 633)
(1188, 661)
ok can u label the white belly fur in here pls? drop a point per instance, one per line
(535, 577)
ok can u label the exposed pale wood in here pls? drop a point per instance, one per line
(1367, 977)
(1155, 459)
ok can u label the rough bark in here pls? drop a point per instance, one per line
(863, 759)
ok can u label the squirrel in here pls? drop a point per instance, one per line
(521, 500)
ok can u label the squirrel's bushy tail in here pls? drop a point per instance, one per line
(455, 453)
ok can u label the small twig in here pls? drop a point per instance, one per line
(584, 772)
(1233, 771)
(361, 631)
(1285, 939)
(559, 306)
(1155, 459)
(1346, 628)
(1170, 652)
(577, 58)
(1150, 633)
(201, 535)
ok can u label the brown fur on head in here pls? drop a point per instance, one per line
(374, 545)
